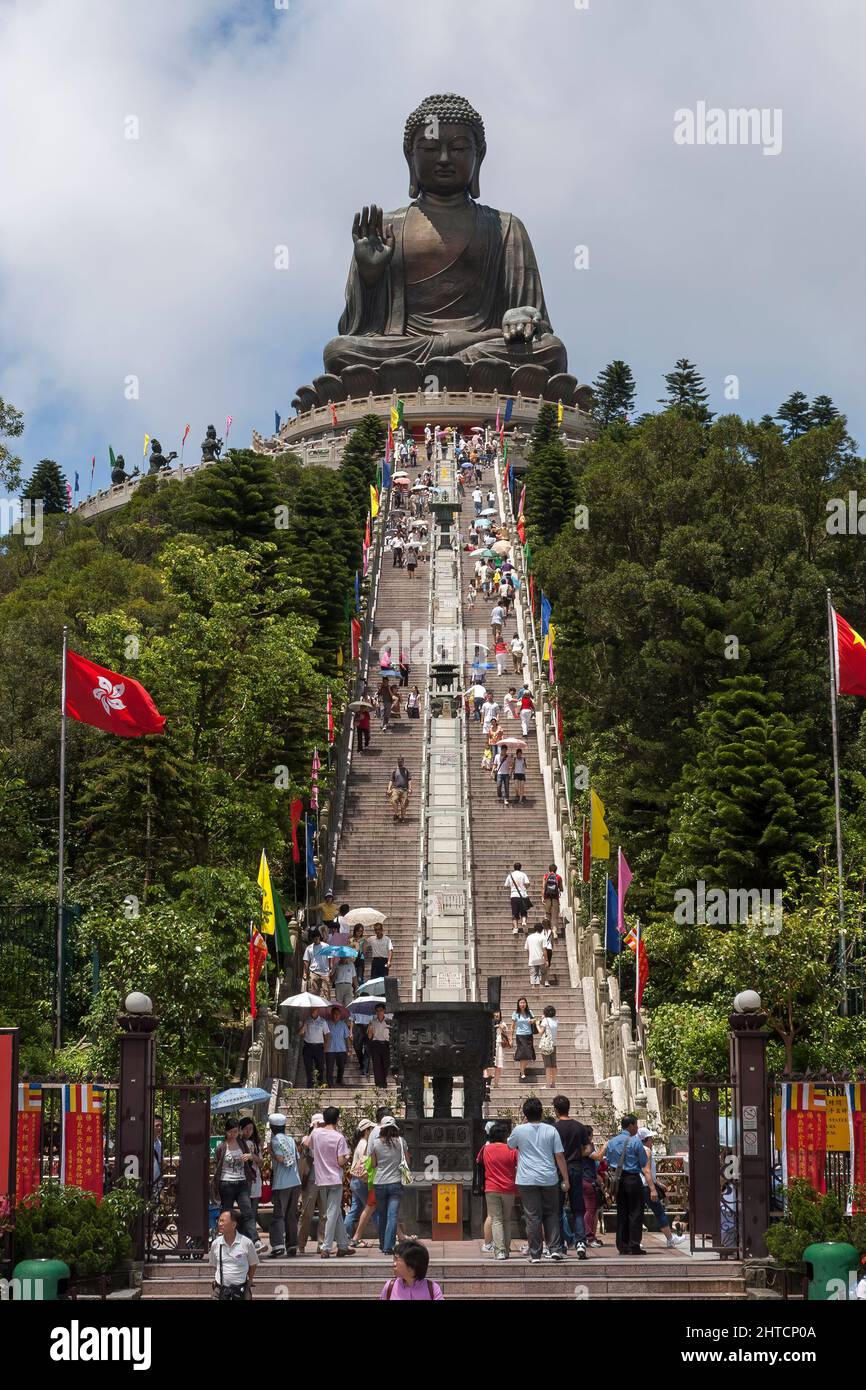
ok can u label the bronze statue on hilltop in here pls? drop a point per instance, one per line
(445, 277)
(445, 294)
(211, 446)
(158, 460)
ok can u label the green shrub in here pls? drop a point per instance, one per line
(64, 1223)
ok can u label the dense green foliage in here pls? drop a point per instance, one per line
(614, 392)
(225, 595)
(692, 673)
(811, 1218)
(11, 427)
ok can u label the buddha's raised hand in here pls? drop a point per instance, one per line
(521, 323)
(374, 244)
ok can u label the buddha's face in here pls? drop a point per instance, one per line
(445, 163)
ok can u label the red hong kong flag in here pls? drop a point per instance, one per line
(109, 701)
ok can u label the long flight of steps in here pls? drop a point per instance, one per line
(377, 865)
(465, 1274)
(500, 836)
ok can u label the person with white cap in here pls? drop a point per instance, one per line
(285, 1187)
(388, 1154)
(309, 1187)
(656, 1204)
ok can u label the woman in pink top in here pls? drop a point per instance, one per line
(411, 1261)
(500, 1186)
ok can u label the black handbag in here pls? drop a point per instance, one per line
(229, 1292)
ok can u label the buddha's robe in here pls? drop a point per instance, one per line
(456, 312)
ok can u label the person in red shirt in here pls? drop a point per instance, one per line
(500, 1186)
(362, 725)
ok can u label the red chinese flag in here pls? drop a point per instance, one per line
(586, 861)
(333, 413)
(850, 658)
(118, 704)
(296, 810)
(356, 640)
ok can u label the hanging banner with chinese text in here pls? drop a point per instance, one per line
(29, 1138)
(81, 1144)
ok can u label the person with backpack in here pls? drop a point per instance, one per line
(411, 1262)
(551, 891)
(285, 1187)
(389, 1161)
(576, 1141)
(548, 1026)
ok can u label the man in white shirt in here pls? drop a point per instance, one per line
(314, 1031)
(478, 692)
(534, 947)
(317, 967)
(478, 500)
(517, 884)
(344, 979)
(517, 654)
(489, 712)
(497, 618)
(234, 1260)
(380, 949)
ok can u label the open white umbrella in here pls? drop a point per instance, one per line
(501, 547)
(361, 704)
(365, 916)
(375, 986)
(512, 742)
(304, 1000)
(489, 511)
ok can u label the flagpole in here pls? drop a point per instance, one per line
(58, 1026)
(843, 969)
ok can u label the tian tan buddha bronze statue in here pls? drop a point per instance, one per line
(446, 287)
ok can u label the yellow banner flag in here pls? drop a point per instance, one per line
(146, 442)
(395, 418)
(264, 881)
(559, 413)
(339, 658)
(374, 502)
(599, 839)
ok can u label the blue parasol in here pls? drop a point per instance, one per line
(237, 1096)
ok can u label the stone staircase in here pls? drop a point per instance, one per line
(466, 1274)
(377, 865)
(501, 835)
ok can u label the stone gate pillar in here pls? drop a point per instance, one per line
(752, 1120)
(134, 1152)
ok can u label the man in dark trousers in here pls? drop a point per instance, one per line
(575, 1138)
(627, 1159)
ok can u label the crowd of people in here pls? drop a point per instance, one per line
(553, 1166)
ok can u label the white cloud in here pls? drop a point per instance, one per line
(258, 127)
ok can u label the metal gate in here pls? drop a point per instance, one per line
(714, 1222)
(178, 1221)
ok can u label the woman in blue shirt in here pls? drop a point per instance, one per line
(521, 1035)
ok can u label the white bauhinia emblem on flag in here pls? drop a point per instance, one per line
(109, 695)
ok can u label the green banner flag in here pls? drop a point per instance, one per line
(282, 939)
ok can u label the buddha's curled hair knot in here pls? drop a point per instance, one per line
(449, 109)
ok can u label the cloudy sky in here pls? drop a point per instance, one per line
(267, 123)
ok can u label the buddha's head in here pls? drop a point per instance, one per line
(444, 145)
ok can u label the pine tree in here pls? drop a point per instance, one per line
(795, 414)
(235, 500)
(614, 391)
(750, 808)
(48, 483)
(822, 412)
(550, 482)
(686, 392)
(360, 461)
(325, 551)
